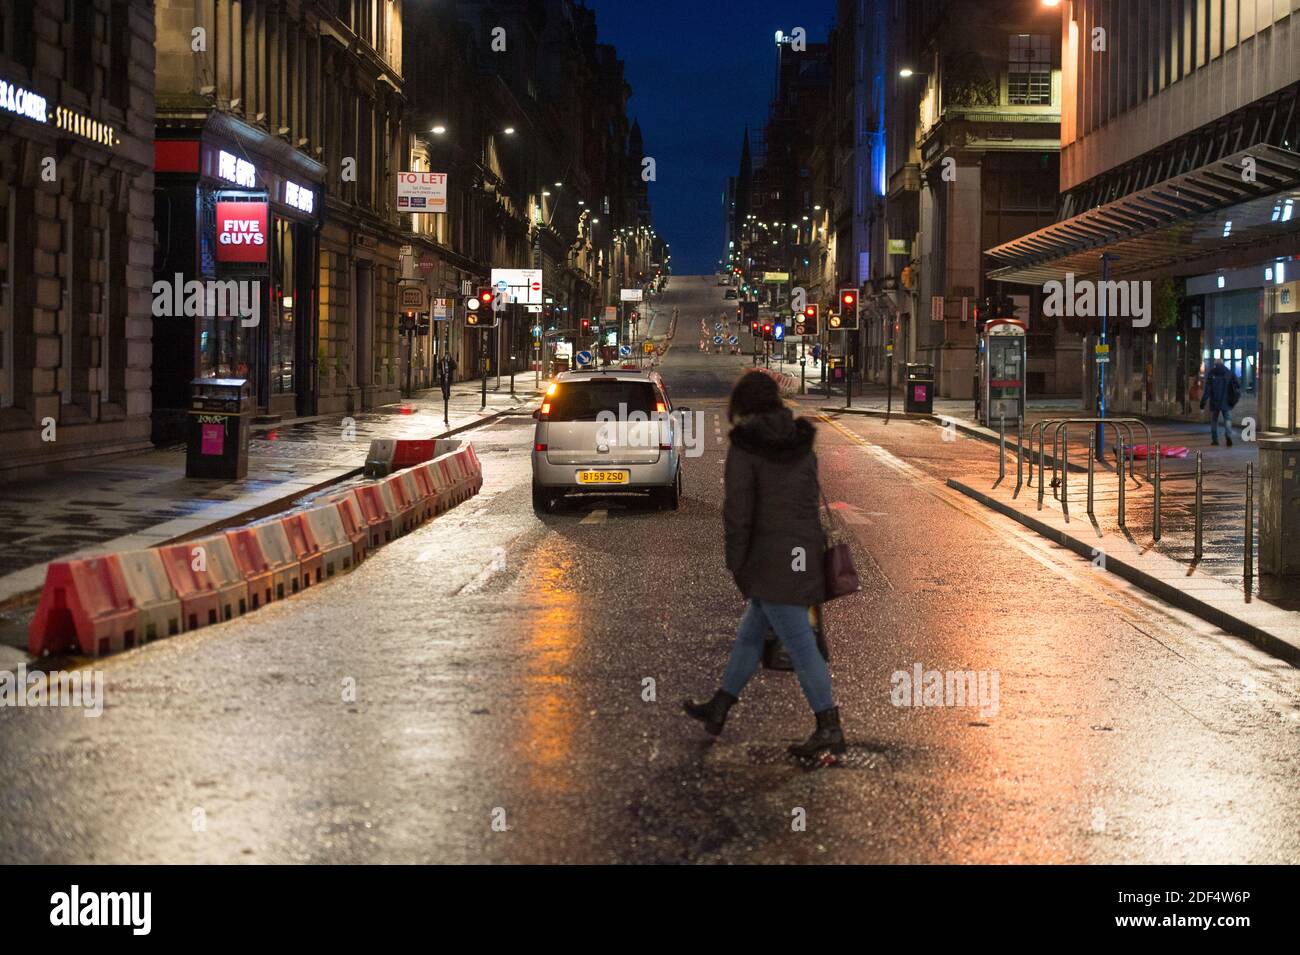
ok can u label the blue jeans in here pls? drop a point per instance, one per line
(790, 622)
(1214, 422)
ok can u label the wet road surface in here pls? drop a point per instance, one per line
(503, 686)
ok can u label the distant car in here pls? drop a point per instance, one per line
(729, 293)
(607, 432)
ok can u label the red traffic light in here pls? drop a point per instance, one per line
(766, 328)
(753, 326)
(485, 296)
(586, 324)
(810, 311)
(848, 297)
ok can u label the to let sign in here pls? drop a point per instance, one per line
(241, 232)
(422, 191)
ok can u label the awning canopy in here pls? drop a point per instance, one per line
(1190, 216)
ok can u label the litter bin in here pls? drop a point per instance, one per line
(1279, 507)
(919, 388)
(219, 417)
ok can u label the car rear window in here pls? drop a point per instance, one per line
(585, 400)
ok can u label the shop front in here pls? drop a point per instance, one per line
(1280, 360)
(238, 237)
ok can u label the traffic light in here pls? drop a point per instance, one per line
(753, 327)
(586, 326)
(479, 311)
(767, 331)
(848, 310)
(985, 311)
(406, 322)
(806, 324)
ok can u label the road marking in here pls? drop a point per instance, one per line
(595, 517)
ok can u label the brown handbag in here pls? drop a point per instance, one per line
(837, 563)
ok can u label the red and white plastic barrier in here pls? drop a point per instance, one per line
(104, 604)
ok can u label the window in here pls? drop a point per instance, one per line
(586, 400)
(79, 58)
(1029, 71)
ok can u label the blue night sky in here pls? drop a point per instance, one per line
(700, 70)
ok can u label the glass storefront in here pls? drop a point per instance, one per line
(283, 297)
(1281, 360)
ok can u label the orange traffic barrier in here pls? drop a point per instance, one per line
(253, 565)
(225, 575)
(381, 518)
(155, 600)
(286, 569)
(186, 566)
(305, 547)
(354, 523)
(84, 606)
(409, 452)
(395, 492)
(428, 490)
(332, 538)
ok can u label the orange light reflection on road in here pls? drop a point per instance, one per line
(549, 708)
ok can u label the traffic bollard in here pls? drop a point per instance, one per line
(1250, 527)
(1092, 440)
(1155, 507)
(1123, 483)
(1002, 447)
(1065, 474)
(1196, 546)
(1020, 455)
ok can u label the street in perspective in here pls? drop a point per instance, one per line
(494, 432)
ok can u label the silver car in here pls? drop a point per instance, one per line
(603, 432)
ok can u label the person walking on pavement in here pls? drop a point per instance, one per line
(1222, 391)
(774, 549)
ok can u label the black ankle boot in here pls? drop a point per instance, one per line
(712, 714)
(827, 738)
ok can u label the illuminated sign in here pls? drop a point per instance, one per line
(79, 125)
(300, 197)
(241, 231)
(15, 99)
(239, 171)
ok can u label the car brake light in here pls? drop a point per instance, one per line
(551, 388)
(539, 447)
(546, 407)
(660, 407)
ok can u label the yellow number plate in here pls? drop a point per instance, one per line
(602, 477)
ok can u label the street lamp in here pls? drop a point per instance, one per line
(509, 130)
(438, 130)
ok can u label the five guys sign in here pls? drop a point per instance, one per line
(241, 232)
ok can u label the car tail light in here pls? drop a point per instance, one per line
(539, 447)
(546, 408)
(551, 388)
(660, 407)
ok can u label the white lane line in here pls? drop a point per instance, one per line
(595, 517)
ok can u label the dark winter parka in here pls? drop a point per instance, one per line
(1218, 388)
(774, 538)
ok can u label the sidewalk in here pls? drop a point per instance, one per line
(140, 500)
(1165, 567)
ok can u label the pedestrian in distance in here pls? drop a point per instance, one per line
(775, 547)
(1222, 392)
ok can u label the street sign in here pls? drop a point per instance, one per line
(717, 326)
(1103, 354)
(624, 351)
(778, 332)
(441, 309)
(412, 297)
(611, 315)
(649, 348)
(524, 284)
(583, 358)
(733, 340)
(629, 295)
(717, 339)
